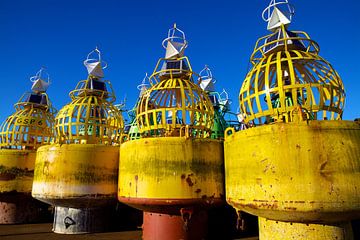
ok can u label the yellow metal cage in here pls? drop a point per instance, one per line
(91, 117)
(287, 77)
(31, 125)
(174, 105)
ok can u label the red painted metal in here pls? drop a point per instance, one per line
(188, 225)
(21, 208)
(171, 206)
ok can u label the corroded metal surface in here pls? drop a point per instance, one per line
(16, 170)
(81, 220)
(170, 170)
(18, 208)
(304, 172)
(76, 175)
(270, 229)
(16, 176)
(163, 226)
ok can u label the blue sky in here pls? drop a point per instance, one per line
(59, 34)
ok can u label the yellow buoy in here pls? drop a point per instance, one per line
(78, 174)
(30, 127)
(299, 167)
(174, 171)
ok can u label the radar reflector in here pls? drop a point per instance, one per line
(278, 13)
(144, 85)
(175, 43)
(277, 19)
(95, 65)
(40, 82)
(206, 79)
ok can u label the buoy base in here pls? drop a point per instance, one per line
(18, 208)
(188, 226)
(270, 229)
(81, 220)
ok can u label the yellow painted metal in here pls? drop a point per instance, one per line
(91, 116)
(16, 170)
(299, 231)
(174, 105)
(287, 78)
(301, 172)
(30, 126)
(80, 170)
(171, 168)
(20, 135)
(89, 119)
(300, 162)
(66, 173)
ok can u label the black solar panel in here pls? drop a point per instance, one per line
(34, 98)
(96, 85)
(176, 65)
(273, 37)
(295, 42)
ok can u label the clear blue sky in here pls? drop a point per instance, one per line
(59, 34)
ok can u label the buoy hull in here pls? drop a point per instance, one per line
(76, 175)
(165, 174)
(81, 220)
(16, 176)
(159, 226)
(300, 172)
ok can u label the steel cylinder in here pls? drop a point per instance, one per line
(16, 176)
(81, 220)
(270, 229)
(76, 175)
(302, 172)
(159, 226)
(165, 174)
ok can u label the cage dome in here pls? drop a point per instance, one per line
(31, 125)
(175, 105)
(288, 79)
(89, 119)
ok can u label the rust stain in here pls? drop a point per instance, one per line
(198, 190)
(256, 200)
(136, 184)
(189, 180)
(7, 176)
(183, 176)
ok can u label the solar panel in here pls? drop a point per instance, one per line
(34, 98)
(96, 85)
(273, 37)
(297, 43)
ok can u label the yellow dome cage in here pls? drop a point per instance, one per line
(32, 124)
(288, 75)
(174, 105)
(91, 116)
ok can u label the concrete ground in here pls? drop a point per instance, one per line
(43, 231)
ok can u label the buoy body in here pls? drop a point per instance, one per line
(171, 173)
(16, 176)
(174, 181)
(76, 175)
(298, 174)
